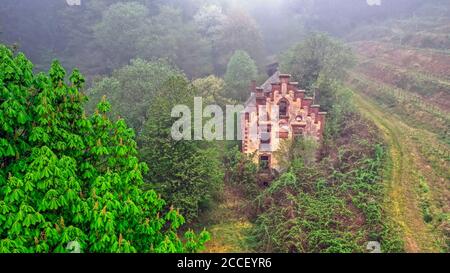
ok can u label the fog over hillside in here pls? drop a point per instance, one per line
(53, 28)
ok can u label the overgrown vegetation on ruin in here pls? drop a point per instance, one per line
(329, 205)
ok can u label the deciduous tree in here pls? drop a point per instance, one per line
(316, 63)
(239, 32)
(132, 88)
(66, 176)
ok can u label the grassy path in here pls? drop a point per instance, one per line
(407, 175)
(229, 227)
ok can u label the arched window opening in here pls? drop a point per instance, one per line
(283, 108)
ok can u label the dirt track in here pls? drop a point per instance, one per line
(406, 169)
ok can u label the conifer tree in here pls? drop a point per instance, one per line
(241, 70)
(186, 172)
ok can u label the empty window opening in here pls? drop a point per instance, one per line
(283, 106)
(265, 138)
(264, 162)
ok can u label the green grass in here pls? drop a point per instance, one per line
(228, 225)
(402, 203)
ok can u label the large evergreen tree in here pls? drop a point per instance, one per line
(186, 172)
(241, 70)
(68, 177)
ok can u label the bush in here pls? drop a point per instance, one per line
(241, 171)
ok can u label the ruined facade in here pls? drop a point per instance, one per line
(275, 111)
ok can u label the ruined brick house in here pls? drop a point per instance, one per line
(275, 111)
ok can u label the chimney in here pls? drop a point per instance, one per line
(293, 85)
(253, 86)
(276, 87)
(260, 97)
(284, 78)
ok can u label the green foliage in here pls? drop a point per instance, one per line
(126, 31)
(212, 90)
(120, 30)
(332, 204)
(66, 176)
(197, 36)
(238, 32)
(316, 63)
(170, 36)
(318, 208)
(342, 106)
(210, 19)
(241, 70)
(132, 85)
(241, 171)
(186, 172)
(296, 152)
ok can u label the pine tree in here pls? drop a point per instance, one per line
(186, 172)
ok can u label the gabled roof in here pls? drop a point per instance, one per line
(250, 101)
(275, 78)
(266, 86)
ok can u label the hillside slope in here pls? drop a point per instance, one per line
(403, 84)
(409, 203)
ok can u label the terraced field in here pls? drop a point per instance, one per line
(406, 92)
(422, 72)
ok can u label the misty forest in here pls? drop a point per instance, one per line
(88, 162)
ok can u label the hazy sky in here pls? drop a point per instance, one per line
(374, 2)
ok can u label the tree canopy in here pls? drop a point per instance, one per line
(212, 90)
(134, 84)
(69, 177)
(120, 30)
(186, 172)
(239, 32)
(241, 70)
(316, 63)
(317, 55)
